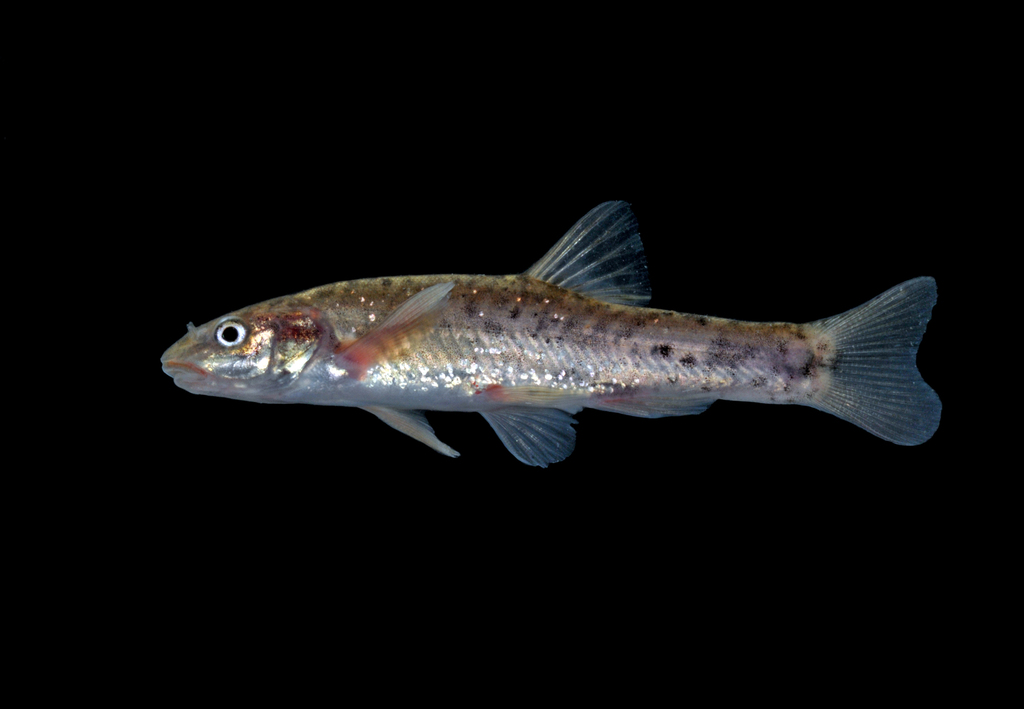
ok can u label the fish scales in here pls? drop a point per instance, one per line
(516, 330)
(529, 350)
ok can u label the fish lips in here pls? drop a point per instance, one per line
(185, 374)
(177, 365)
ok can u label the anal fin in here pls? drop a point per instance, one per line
(654, 405)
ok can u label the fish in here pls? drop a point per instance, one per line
(530, 350)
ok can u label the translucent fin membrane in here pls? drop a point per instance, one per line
(534, 436)
(601, 256)
(875, 383)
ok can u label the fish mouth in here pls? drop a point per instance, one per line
(188, 376)
(174, 368)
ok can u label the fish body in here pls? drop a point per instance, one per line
(527, 351)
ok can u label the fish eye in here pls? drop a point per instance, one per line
(230, 333)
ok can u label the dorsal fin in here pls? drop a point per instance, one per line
(601, 256)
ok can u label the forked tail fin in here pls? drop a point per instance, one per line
(875, 382)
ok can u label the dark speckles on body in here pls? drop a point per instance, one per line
(726, 353)
(493, 327)
(520, 324)
(808, 370)
(826, 358)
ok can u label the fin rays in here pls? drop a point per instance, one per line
(534, 436)
(410, 319)
(600, 256)
(876, 384)
(413, 424)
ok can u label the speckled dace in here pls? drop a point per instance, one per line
(527, 351)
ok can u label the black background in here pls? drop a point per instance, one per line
(773, 177)
(744, 213)
(776, 192)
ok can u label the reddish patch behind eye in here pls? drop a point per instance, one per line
(299, 326)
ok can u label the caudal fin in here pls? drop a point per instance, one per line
(875, 382)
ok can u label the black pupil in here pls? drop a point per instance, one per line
(230, 334)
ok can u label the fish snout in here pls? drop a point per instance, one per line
(176, 364)
(175, 369)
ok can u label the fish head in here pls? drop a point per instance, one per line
(252, 354)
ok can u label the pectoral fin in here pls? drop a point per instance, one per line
(534, 436)
(411, 423)
(398, 330)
